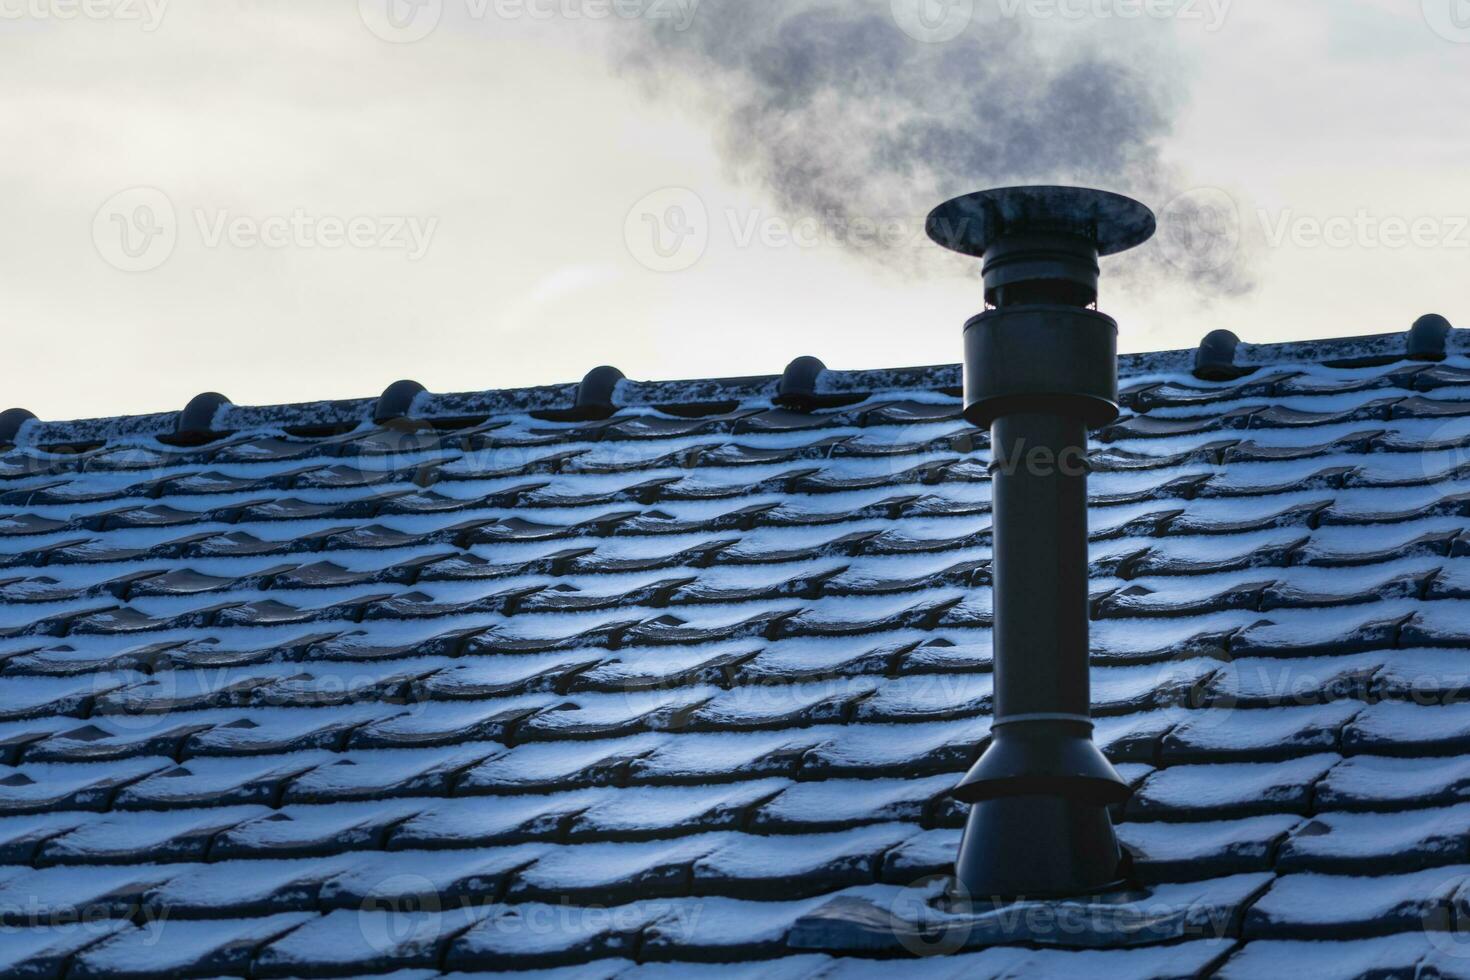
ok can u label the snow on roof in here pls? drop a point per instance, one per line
(504, 687)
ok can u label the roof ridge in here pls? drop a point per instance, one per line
(562, 399)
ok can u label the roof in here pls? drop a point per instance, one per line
(504, 685)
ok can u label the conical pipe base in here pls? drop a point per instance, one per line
(1037, 847)
(1043, 758)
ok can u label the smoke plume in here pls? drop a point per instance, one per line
(846, 117)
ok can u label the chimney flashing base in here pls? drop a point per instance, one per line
(1076, 851)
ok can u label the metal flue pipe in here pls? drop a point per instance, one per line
(1040, 370)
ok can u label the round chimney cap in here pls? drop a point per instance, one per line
(10, 422)
(972, 223)
(1428, 337)
(798, 385)
(198, 416)
(595, 393)
(1215, 358)
(396, 401)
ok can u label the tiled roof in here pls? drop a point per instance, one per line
(511, 687)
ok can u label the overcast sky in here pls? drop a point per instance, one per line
(288, 201)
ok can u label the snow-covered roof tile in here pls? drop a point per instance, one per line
(501, 688)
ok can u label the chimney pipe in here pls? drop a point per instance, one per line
(1040, 370)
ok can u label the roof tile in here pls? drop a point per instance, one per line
(516, 692)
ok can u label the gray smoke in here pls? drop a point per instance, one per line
(844, 117)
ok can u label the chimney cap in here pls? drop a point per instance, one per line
(1429, 337)
(1215, 358)
(594, 399)
(10, 422)
(798, 385)
(396, 401)
(197, 418)
(972, 223)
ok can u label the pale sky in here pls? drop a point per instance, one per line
(268, 199)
